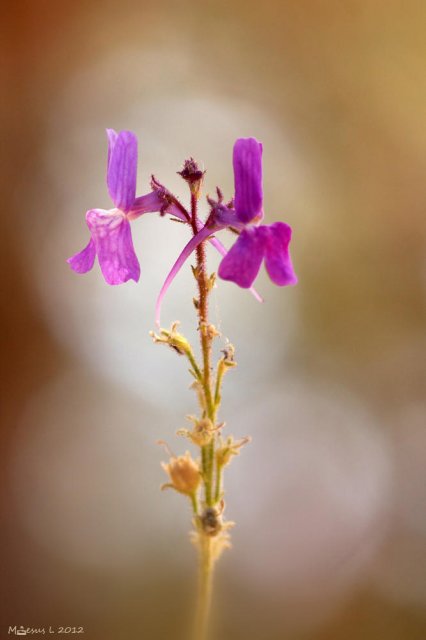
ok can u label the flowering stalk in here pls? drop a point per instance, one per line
(207, 450)
(201, 481)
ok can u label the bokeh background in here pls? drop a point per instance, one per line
(330, 496)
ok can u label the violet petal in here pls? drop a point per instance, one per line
(226, 217)
(278, 264)
(83, 261)
(223, 252)
(242, 262)
(112, 136)
(122, 167)
(114, 246)
(247, 161)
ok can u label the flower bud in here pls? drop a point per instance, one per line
(184, 474)
(193, 175)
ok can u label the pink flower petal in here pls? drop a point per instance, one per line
(82, 262)
(223, 252)
(112, 138)
(278, 264)
(114, 246)
(247, 160)
(122, 167)
(242, 262)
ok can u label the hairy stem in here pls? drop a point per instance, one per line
(205, 341)
(203, 309)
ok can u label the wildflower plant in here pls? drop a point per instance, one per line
(200, 478)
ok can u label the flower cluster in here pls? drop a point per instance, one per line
(111, 238)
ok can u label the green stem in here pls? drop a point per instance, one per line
(195, 366)
(208, 454)
(194, 503)
(219, 377)
(218, 488)
(205, 585)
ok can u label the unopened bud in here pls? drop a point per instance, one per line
(192, 174)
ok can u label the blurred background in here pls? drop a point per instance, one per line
(330, 496)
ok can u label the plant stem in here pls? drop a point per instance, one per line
(205, 341)
(203, 291)
(194, 366)
(207, 451)
(194, 503)
(205, 588)
(218, 488)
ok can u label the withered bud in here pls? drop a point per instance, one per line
(173, 339)
(209, 330)
(201, 433)
(192, 174)
(184, 474)
(229, 449)
(229, 355)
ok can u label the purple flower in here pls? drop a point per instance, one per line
(255, 243)
(268, 243)
(111, 238)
